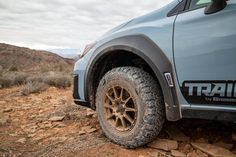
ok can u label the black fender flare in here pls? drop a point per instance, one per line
(152, 55)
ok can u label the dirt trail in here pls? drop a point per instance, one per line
(50, 124)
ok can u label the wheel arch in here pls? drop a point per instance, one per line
(151, 58)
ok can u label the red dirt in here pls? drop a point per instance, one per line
(29, 132)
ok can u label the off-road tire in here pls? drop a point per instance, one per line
(149, 101)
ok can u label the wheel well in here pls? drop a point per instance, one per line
(112, 60)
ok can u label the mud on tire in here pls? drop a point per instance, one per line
(130, 106)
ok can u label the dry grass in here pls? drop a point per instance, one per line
(33, 87)
(8, 79)
(59, 80)
(14, 78)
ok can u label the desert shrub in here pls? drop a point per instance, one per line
(35, 78)
(20, 78)
(9, 79)
(1, 69)
(13, 68)
(33, 87)
(58, 80)
(4, 83)
(17, 78)
(45, 68)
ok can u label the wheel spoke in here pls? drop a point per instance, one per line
(130, 109)
(121, 93)
(129, 118)
(127, 100)
(116, 121)
(108, 106)
(115, 93)
(123, 122)
(110, 98)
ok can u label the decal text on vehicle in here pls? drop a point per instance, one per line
(210, 92)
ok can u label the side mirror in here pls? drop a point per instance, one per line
(215, 6)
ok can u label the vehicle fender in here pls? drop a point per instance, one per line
(150, 52)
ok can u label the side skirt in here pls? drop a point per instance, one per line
(209, 115)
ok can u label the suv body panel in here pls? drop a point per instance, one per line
(156, 30)
(207, 58)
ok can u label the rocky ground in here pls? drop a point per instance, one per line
(50, 124)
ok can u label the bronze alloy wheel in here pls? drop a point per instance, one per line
(120, 108)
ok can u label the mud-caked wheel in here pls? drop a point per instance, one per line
(130, 106)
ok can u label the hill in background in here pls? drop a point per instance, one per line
(29, 60)
(34, 70)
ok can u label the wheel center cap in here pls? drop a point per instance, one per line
(120, 109)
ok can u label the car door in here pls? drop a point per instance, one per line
(205, 54)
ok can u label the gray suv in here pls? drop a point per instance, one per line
(176, 62)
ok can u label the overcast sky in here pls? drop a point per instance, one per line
(49, 24)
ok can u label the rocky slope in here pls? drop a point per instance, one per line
(25, 59)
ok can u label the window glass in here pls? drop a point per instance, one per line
(199, 3)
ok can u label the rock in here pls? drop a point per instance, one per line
(234, 151)
(192, 154)
(197, 153)
(187, 148)
(56, 118)
(8, 110)
(91, 130)
(32, 135)
(201, 140)
(40, 118)
(88, 129)
(176, 134)
(228, 146)
(164, 144)
(3, 119)
(3, 102)
(32, 116)
(41, 136)
(82, 132)
(22, 140)
(60, 139)
(48, 125)
(158, 153)
(234, 137)
(201, 154)
(29, 128)
(90, 113)
(177, 153)
(212, 150)
(61, 125)
(13, 135)
(20, 101)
